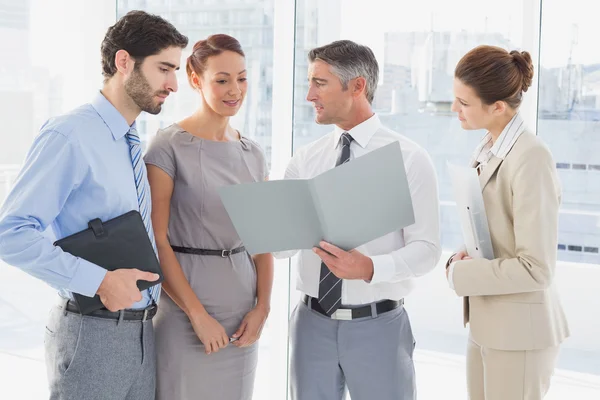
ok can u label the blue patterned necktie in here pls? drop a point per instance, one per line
(143, 193)
(330, 286)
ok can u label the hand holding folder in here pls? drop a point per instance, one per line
(119, 290)
(120, 243)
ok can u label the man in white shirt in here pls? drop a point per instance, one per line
(351, 329)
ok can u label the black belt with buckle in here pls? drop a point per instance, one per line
(204, 252)
(128, 315)
(353, 313)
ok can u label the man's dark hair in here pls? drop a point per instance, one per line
(141, 35)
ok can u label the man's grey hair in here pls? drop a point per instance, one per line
(349, 60)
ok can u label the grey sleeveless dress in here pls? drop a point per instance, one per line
(225, 286)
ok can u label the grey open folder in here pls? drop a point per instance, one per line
(347, 206)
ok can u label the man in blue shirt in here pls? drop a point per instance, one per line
(84, 165)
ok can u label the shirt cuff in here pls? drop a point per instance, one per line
(451, 275)
(87, 278)
(383, 269)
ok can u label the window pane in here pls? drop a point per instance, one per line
(45, 70)
(251, 22)
(417, 51)
(568, 122)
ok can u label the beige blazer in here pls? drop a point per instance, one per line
(511, 302)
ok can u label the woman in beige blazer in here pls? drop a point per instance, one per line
(511, 303)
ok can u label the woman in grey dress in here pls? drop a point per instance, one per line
(214, 292)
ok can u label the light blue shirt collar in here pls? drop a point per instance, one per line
(111, 116)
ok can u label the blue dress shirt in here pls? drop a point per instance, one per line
(78, 168)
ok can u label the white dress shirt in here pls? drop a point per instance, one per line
(397, 257)
(484, 152)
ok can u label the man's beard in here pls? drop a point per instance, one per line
(138, 88)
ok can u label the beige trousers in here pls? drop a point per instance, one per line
(509, 375)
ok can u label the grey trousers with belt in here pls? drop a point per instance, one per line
(91, 358)
(371, 356)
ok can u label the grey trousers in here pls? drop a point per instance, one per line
(372, 356)
(91, 358)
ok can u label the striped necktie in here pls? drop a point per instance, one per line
(330, 286)
(143, 193)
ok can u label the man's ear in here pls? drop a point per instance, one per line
(124, 62)
(358, 86)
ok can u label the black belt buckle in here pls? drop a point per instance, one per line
(225, 253)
